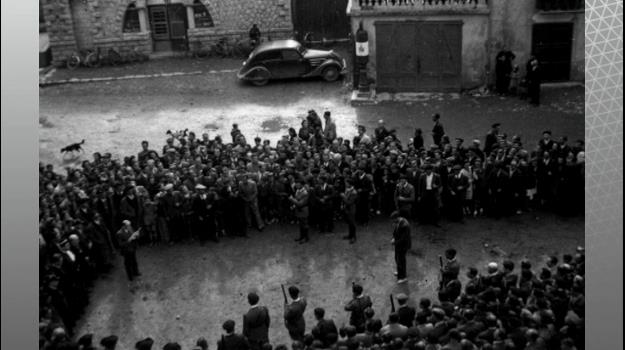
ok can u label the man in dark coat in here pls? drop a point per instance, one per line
(231, 340)
(349, 205)
(325, 329)
(294, 315)
(405, 312)
(533, 81)
(127, 238)
(256, 323)
(364, 187)
(429, 195)
(404, 197)
(357, 307)
(458, 184)
(325, 196)
(204, 211)
(438, 131)
(492, 139)
(130, 207)
(299, 202)
(402, 243)
(451, 269)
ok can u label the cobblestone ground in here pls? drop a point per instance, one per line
(187, 291)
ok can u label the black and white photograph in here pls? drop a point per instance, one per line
(312, 175)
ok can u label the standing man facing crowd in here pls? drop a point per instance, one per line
(127, 238)
(294, 315)
(402, 243)
(357, 306)
(299, 202)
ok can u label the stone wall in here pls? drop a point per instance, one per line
(231, 18)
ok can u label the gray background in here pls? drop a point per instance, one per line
(604, 178)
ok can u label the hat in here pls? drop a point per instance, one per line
(200, 187)
(172, 346)
(496, 125)
(458, 139)
(492, 266)
(438, 312)
(402, 297)
(86, 340)
(547, 132)
(145, 344)
(109, 342)
(168, 187)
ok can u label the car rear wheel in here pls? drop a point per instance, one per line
(330, 73)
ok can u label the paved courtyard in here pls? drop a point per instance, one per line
(187, 291)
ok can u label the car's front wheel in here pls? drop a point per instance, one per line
(330, 73)
(260, 78)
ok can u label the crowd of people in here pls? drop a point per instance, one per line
(505, 308)
(199, 188)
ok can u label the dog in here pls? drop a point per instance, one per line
(74, 147)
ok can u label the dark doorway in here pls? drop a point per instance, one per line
(169, 27)
(323, 18)
(552, 44)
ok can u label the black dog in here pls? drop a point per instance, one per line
(74, 147)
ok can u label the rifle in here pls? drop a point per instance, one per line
(440, 275)
(392, 303)
(284, 294)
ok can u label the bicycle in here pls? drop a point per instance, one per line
(199, 51)
(223, 48)
(87, 58)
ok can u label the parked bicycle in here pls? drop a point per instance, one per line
(87, 58)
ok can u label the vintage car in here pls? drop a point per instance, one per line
(282, 59)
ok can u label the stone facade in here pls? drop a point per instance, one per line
(231, 18)
(488, 27)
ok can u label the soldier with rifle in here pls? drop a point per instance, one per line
(357, 307)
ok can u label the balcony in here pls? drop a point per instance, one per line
(415, 7)
(560, 5)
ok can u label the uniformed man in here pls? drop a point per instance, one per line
(299, 203)
(438, 131)
(402, 243)
(349, 207)
(325, 328)
(357, 307)
(294, 315)
(405, 312)
(231, 340)
(127, 237)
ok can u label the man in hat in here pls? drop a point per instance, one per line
(405, 312)
(143, 156)
(144, 344)
(394, 328)
(256, 323)
(492, 138)
(249, 193)
(546, 144)
(402, 243)
(127, 237)
(232, 340)
(404, 197)
(204, 210)
(109, 343)
(429, 195)
(329, 130)
(325, 196)
(438, 131)
(349, 198)
(299, 202)
(357, 306)
(458, 185)
(294, 314)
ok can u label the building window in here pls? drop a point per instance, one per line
(202, 17)
(131, 19)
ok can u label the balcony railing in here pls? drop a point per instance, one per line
(560, 5)
(427, 5)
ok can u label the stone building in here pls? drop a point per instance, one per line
(450, 45)
(152, 26)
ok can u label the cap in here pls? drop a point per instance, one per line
(496, 125)
(200, 187)
(169, 187)
(492, 266)
(402, 297)
(547, 132)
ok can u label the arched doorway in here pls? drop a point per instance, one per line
(168, 24)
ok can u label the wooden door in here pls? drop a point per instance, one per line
(159, 23)
(552, 44)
